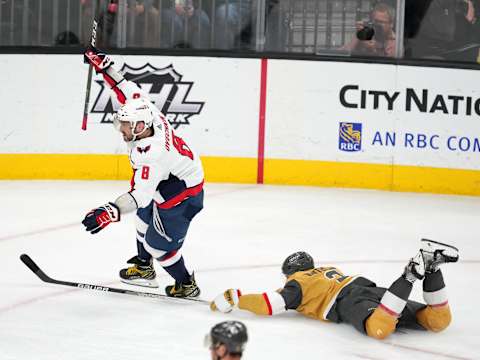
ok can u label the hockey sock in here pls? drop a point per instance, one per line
(434, 291)
(395, 298)
(142, 253)
(436, 316)
(177, 270)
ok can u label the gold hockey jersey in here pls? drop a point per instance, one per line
(319, 290)
(312, 293)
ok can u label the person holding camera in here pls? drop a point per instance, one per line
(375, 37)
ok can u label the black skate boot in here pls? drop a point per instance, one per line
(183, 290)
(141, 273)
(415, 269)
(435, 253)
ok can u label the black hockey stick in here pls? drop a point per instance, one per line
(93, 41)
(27, 260)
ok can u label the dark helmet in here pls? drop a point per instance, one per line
(299, 261)
(232, 334)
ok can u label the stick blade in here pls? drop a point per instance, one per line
(27, 260)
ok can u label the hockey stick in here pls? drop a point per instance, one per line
(93, 41)
(27, 260)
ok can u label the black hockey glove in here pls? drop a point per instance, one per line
(99, 218)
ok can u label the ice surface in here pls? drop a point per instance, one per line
(238, 240)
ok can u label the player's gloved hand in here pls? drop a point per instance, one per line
(99, 218)
(226, 301)
(99, 60)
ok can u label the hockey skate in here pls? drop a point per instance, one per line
(435, 253)
(141, 273)
(415, 269)
(183, 290)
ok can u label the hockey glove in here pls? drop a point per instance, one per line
(226, 301)
(100, 61)
(99, 218)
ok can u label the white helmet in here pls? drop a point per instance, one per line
(134, 111)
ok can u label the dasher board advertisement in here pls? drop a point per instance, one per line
(373, 113)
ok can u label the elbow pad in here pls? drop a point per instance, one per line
(126, 203)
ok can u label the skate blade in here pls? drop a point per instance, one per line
(194, 295)
(429, 242)
(449, 252)
(141, 282)
(184, 297)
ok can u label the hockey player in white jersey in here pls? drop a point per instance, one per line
(166, 187)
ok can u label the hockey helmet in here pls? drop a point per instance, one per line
(135, 111)
(232, 334)
(298, 261)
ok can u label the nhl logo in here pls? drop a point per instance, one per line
(165, 88)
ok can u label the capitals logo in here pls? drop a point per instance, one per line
(350, 137)
(143, 150)
(165, 88)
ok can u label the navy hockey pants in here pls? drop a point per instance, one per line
(162, 231)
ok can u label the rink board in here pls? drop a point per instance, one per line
(327, 124)
(244, 170)
(112, 167)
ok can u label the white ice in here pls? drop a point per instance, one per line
(238, 240)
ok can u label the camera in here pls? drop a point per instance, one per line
(371, 29)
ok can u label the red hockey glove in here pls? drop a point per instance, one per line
(100, 61)
(99, 218)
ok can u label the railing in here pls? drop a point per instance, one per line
(321, 27)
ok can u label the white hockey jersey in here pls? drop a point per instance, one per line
(165, 168)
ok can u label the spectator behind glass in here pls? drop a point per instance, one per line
(233, 24)
(375, 37)
(143, 24)
(440, 29)
(184, 25)
(106, 22)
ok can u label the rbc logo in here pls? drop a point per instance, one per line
(350, 137)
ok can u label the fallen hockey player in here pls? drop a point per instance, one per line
(324, 293)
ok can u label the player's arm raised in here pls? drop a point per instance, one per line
(102, 63)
